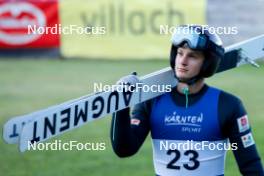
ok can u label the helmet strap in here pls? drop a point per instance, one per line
(190, 81)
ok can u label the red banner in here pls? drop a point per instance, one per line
(27, 24)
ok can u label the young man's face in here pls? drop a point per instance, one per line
(188, 62)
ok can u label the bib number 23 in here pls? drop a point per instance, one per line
(192, 165)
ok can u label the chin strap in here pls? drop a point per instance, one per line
(189, 81)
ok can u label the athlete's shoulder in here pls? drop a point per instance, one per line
(230, 98)
(230, 105)
(227, 97)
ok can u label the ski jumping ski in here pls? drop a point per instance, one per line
(42, 125)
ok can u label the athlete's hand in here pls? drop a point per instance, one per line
(129, 80)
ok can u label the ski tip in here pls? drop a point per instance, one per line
(6, 134)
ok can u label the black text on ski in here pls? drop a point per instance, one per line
(80, 114)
